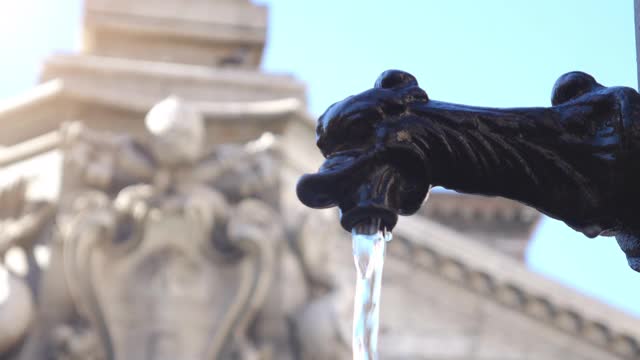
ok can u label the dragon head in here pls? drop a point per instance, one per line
(372, 167)
(575, 161)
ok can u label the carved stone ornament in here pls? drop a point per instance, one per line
(151, 281)
(16, 309)
(575, 161)
(169, 269)
(165, 249)
(23, 224)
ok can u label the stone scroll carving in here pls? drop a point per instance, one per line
(166, 249)
(23, 224)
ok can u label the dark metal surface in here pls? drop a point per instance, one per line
(575, 161)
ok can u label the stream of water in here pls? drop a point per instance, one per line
(369, 244)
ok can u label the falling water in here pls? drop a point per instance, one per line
(368, 254)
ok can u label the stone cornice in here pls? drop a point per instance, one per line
(479, 208)
(40, 94)
(78, 66)
(39, 98)
(500, 223)
(471, 265)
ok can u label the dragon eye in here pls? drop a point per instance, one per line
(358, 129)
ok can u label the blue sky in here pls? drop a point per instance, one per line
(491, 53)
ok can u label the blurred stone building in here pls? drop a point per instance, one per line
(159, 219)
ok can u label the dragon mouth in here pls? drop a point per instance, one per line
(325, 188)
(349, 161)
(404, 156)
(381, 181)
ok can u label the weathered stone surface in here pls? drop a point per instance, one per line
(502, 224)
(16, 309)
(152, 230)
(212, 33)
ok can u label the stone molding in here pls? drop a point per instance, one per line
(78, 65)
(30, 107)
(434, 248)
(479, 208)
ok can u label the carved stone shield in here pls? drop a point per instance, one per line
(162, 291)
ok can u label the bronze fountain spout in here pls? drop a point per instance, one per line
(577, 161)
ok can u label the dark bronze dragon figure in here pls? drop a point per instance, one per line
(576, 161)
